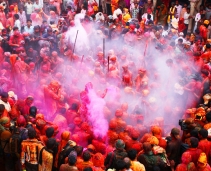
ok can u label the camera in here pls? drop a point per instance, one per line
(183, 125)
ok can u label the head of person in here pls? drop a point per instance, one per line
(194, 142)
(188, 10)
(208, 117)
(33, 111)
(136, 4)
(51, 143)
(29, 22)
(88, 169)
(4, 97)
(127, 163)
(149, 17)
(132, 154)
(147, 147)
(203, 134)
(21, 121)
(49, 31)
(198, 42)
(120, 144)
(79, 150)
(31, 133)
(37, 29)
(120, 165)
(177, 2)
(185, 5)
(172, 4)
(49, 132)
(16, 16)
(86, 156)
(29, 100)
(72, 158)
(180, 42)
(175, 133)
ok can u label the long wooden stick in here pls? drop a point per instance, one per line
(103, 54)
(108, 63)
(74, 44)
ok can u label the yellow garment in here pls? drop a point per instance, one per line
(126, 17)
(172, 10)
(137, 166)
(203, 159)
(47, 161)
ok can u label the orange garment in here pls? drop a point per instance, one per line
(83, 165)
(30, 150)
(10, 23)
(65, 137)
(4, 114)
(137, 166)
(114, 5)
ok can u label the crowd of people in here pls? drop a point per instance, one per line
(105, 85)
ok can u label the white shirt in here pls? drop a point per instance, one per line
(179, 9)
(18, 24)
(29, 8)
(6, 105)
(144, 16)
(36, 6)
(198, 17)
(22, 18)
(186, 20)
(29, 30)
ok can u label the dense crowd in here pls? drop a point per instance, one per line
(105, 85)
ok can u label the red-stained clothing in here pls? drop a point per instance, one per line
(203, 32)
(206, 56)
(23, 107)
(83, 165)
(70, 116)
(195, 153)
(162, 143)
(112, 137)
(10, 23)
(194, 92)
(120, 124)
(99, 146)
(186, 167)
(15, 40)
(205, 146)
(206, 168)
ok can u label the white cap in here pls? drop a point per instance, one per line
(181, 34)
